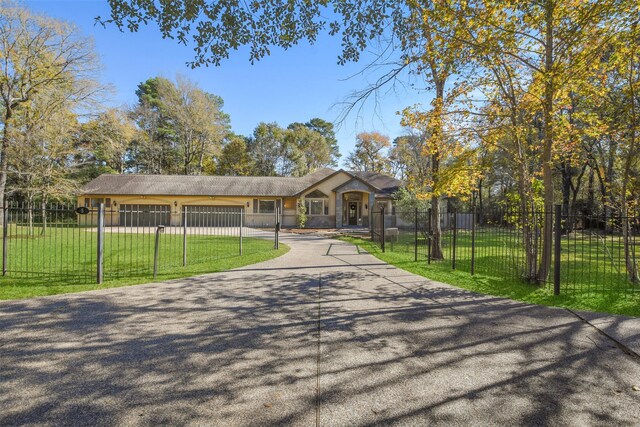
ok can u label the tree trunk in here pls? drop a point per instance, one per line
(573, 214)
(528, 223)
(607, 195)
(436, 245)
(591, 193)
(480, 203)
(547, 171)
(43, 208)
(4, 162)
(30, 231)
(436, 231)
(566, 186)
(629, 251)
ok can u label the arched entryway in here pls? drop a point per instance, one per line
(353, 206)
(354, 201)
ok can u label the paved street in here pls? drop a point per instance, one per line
(324, 335)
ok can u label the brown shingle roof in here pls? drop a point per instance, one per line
(197, 185)
(385, 183)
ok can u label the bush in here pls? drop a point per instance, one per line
(301, 213)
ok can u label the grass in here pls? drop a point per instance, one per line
(64, 259)
(495, 273)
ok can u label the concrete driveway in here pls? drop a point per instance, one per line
(324, 335)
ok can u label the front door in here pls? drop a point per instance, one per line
(352, 213)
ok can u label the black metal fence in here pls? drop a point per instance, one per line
(590, 253)
(105, 243)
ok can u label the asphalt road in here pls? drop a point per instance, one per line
(324, 335)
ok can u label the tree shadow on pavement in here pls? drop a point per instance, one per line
(241, 348)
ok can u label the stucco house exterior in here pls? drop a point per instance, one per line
(333, 198)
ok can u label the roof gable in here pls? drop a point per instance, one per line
(326, 178)
(356, 184)
(316, 194)
(386, 185)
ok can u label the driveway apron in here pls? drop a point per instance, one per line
(324, 335)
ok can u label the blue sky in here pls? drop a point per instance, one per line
(285, 87)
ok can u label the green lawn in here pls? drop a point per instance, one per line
(497, 271)
(64, 259)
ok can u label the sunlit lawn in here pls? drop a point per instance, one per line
(65, 259)
(592, 269)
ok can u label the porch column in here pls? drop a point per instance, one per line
(339, 210)
(372, 205)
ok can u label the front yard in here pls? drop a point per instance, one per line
(492, 280)
(64, 260)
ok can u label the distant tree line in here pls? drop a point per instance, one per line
(57, 135)
(177, 128)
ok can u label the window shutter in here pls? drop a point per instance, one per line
(255, 205)
(279, 205)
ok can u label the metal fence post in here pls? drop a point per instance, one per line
(184, 236)
(5, 237)
(156, 253)
(556, 249)
(429, 236)
(415, 236)
(100, 249)
(455, 238)
(241, 224)
(473, 237)
(372, 225)
(277, 232)
(383, 232)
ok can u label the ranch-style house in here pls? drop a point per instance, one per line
(333, 199)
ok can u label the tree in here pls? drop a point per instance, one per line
(325, 129)
(406, 157)
(307, 149)
(199, 124)
(301, 213)
(554, 41)
(508, 131)
(234, 159)
(157, 151)
(625, 64)
(107, 140)
(37, 54)
(219, 27)
(40, 155)
(266, 149)
(369, 154)
(184, 126)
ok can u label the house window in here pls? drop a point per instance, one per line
(94, 202)
(317, 206)
(316, 203)
(266, 206)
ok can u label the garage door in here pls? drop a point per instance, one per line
(213, 216)
(145, 215)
